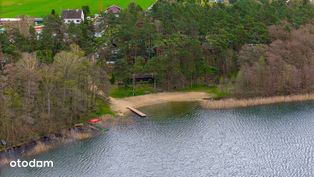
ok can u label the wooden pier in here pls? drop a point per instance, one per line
(139, 113)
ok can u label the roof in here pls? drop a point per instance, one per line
(76, 13)
(39, 19)
(10, 19)
(113, 9)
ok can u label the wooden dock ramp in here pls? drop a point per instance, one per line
(139, 113)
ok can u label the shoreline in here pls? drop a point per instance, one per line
(241, 103)
(47, 142)
(51, 141)
(119, 105)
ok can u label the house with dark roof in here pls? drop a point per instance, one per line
(75, 16)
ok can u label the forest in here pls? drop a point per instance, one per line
(187, 44)
(246, 48)
(37, 99)
(284, 67)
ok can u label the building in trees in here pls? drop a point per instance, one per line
(113, 10)
(75, 16)
(22, 23)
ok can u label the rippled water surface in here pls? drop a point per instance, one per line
(184, 140)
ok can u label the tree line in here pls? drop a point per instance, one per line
(48, 81)
(284, 67)
(187, 43)
(37, 98)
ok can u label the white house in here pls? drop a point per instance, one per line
(76, 16)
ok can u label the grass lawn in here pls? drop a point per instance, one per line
(40, 8)
(121, 92)
(214, 91)
(102, 108)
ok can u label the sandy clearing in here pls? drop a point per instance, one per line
(119, 105)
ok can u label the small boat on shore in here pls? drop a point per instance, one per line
(93, 123)
(94, 120)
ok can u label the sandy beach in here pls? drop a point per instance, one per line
(119, 105)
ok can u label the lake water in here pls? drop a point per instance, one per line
(183, 140)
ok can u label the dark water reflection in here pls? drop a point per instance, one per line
(184, 140)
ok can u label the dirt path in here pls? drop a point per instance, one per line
(119, 105)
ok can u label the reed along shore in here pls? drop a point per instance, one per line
(238, 103)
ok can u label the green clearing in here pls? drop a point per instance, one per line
(102, 108)
(215, 92)
(121, 92)
(40, 8)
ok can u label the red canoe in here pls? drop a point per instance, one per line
(94, 120)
